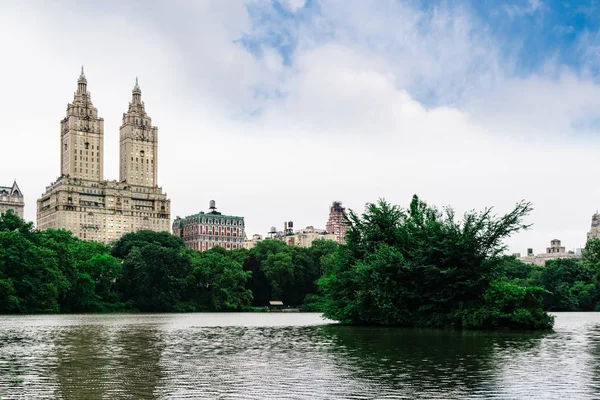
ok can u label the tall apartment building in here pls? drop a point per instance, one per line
(595, 228)
(80, 200)
(11, 198)
(336, 224)
(204, 231)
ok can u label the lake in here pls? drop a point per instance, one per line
(289, 356)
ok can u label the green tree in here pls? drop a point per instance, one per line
(417, 267)
(559, 278)
(127, 242)
(507, 305)
(31, 279)
(220, 280)
(279, 271)
(155, 277)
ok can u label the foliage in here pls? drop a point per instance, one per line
(422, 267)
(53, 271)
(415, 267)
(508, 305)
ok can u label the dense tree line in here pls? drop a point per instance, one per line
(412, 267)
(52, 271)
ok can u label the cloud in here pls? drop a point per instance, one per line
(293, 5)
(531, 7)
(275, 116)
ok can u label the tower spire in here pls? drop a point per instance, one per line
(82, 82)
(137, 92)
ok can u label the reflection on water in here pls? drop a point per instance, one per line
(296, 356)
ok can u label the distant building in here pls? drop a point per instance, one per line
(11, 198)
(302, 237)
(204, 231)
(595, 228)
(250, 243)
(555, 251)
(305, 237)
(81, 200)
(336, 224)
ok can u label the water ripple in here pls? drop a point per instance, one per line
(289, 356)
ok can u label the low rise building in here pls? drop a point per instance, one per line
(11, 198)
(250, 243)
(204, 231)
(555, 251)
(302, 237)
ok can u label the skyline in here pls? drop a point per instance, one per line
(276, 109)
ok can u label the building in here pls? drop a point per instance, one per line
(250, 243)
(302, 237)
(80, 200)
(556, 250)
(555, 247)
(595, 228)
(305, 237)
(11, 198)
(336, 224)
(204, 231)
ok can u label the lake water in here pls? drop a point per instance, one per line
(289, 356)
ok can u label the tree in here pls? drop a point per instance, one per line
(155, 277)
(279, 271)
(566, 283)
(417, 267)
(220, 281)
(31, 279)
(127, 242)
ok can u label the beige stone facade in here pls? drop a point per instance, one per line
(555, 251)
(303, 237)
(250, 243)
(11, 198)
(595, 228)
(80, 200)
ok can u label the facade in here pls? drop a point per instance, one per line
(302, 237)
(11, 198)
(595, 228)
(336, 224)
(80, 200)
(250, 243)
(556, 250)
(305, 237)
(204, 231)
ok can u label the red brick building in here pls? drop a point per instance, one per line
(336, 224)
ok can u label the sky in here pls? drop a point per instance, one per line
(277, 108)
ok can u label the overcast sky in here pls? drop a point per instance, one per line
(275, 109)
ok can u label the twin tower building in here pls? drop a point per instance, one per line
(80, 200)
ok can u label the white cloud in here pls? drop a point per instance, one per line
(293, 5)
(348, 124)
(531, 7)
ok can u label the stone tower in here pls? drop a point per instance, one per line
(82, 137)
(595, 228)
(80, 200)
(139, 144)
